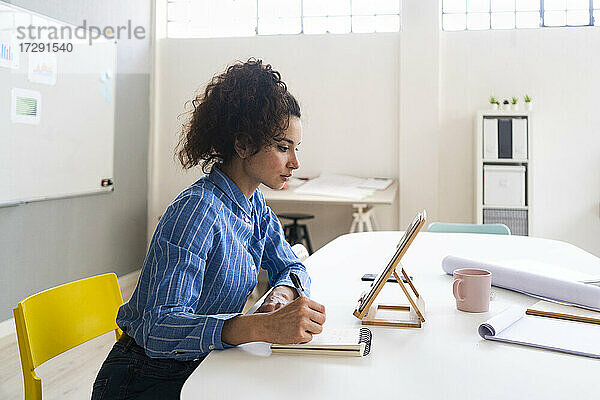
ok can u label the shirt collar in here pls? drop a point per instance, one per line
(230, 189)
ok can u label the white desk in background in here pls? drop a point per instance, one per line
(446, 359)
(364, 211)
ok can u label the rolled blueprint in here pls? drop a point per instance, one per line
(533, 284)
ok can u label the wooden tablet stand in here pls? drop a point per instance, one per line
(414, 314)
(366, 311)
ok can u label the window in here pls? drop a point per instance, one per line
(516, 14)
(596, 13)
(223, 18)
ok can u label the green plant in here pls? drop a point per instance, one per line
(493, 100)
(514, 100)
(505, 102)
(526, 98)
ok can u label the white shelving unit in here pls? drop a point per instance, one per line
(517, 217)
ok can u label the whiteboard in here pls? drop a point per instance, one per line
(56, 114)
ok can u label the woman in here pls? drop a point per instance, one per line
(205, 254)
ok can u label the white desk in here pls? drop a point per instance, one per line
(364, 207)
(446, 359)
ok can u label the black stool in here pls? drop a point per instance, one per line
(295, 232)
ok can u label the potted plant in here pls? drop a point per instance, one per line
(494, 103)
(514, 104)
(527, 100)
(505, 105)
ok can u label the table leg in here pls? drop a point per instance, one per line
(362, 218)
(374, 221)
(354, 222)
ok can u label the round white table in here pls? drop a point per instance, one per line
(446, 359)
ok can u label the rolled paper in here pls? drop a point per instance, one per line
(532, 284)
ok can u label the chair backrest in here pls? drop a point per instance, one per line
(496, 229)
(58, 319)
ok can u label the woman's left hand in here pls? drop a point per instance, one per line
(279, 297)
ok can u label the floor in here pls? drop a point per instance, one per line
(71, 374)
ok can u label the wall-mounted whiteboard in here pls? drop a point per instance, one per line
(56, 112)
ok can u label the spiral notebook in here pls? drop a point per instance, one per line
(557, 334)
(354, 342)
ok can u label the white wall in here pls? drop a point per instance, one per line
(402, 105)
(559, 68)
(419, 111)
(347, 87)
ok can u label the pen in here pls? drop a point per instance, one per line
(297, 284)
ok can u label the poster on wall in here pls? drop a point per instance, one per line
(9, 51)
(26, 106)
(42, 68)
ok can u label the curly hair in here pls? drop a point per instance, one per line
(248, 102)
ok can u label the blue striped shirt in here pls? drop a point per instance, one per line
(201, 265)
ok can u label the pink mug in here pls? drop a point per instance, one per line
(471, 289)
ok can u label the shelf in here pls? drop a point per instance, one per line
(487, 207)
(517, 218)
(504, 160)
(504, 113)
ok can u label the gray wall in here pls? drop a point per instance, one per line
(48, 243)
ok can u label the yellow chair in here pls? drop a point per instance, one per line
(58, 319)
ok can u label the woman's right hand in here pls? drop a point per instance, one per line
(296, 322)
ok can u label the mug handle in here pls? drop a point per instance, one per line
(456, 290)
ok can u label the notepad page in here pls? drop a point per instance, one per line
(576, 337)
(336, 336)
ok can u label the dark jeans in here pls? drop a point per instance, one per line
(128, 373)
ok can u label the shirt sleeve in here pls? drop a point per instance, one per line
(171, 328)
(279, 258)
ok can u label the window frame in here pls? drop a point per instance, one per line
(302, 17)
(542, 11)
